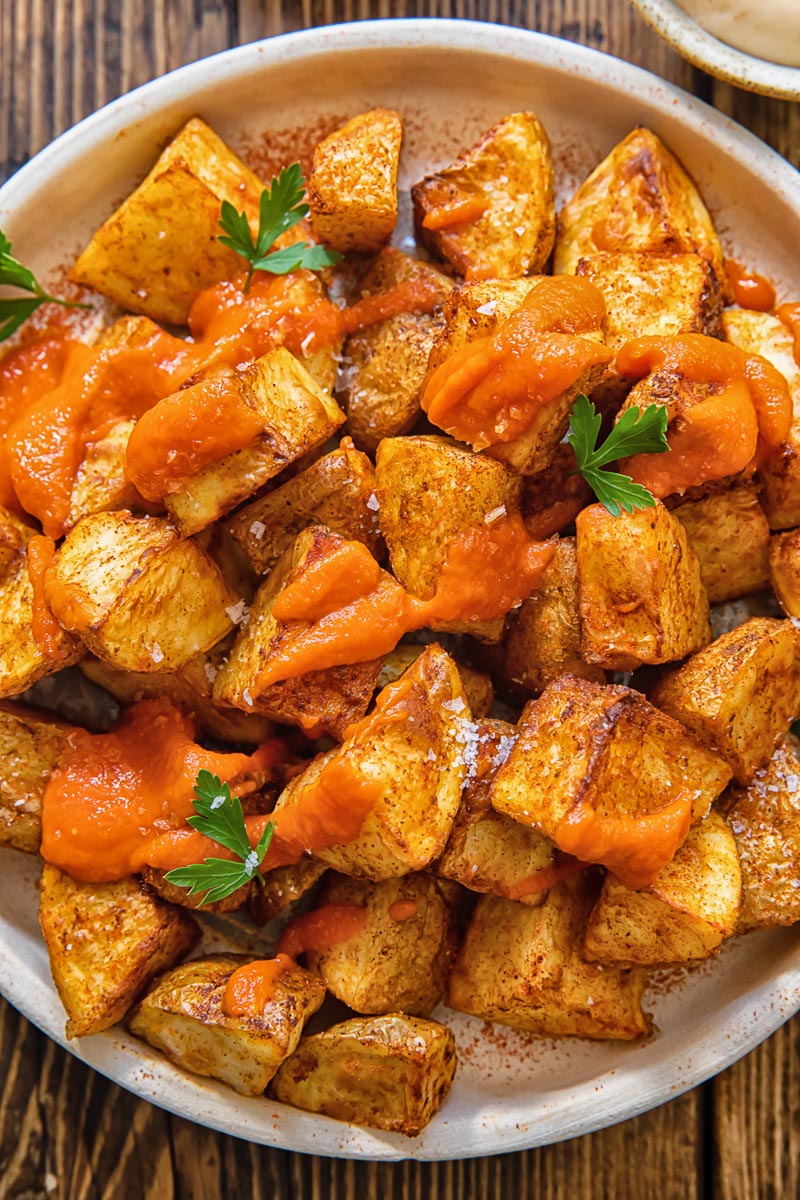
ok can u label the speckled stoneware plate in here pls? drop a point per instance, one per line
(450, 80)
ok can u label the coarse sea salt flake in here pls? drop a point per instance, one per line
(157, 654)
(495, 515)
(487, 309)
(248, 699)
(372, 503)
(258, 529)
(210, 672)
(237, 612)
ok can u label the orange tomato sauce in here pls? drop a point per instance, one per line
(47, 632)
(790, 315)
(462, 211)
(544, 879)
(251, 986)
(321, 929)
(402, 910)
(492, 390)
(750, 290)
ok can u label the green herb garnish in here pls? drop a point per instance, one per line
(636, 432)
(220, 818)
(15, 310)
(280, 208)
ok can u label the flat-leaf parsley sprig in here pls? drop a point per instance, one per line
(636, 432)
(16, 309)
(280, 208)
(220, 818)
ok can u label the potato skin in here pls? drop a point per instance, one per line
(730, 536)
(106, 942)
(31, 743)
(740, 694)
(684, 916)
(101, 484)
(510, 168)
(282, 887)
(524, 967)
(478, 689)
(391, 1072)
(183, 1016)
(784, 570)
(352, 189)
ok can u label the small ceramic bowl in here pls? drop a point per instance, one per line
(693, 42)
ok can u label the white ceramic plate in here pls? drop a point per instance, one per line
(694, 42)
(451, 80)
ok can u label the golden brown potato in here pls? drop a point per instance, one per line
(765, 821)
(761, 333)
(101, 484)
(389, 1072)
(399, 961)
(385, 364)
(507, 179)
(784, 570)
(740, 694)
(160, 248)
(543, 637)
(338, 491)
(106, 942)
(281, 887)
(730, 536)
(523, 967)
(417, 766)
(352, 189)
(31, 743)
(685, 915)
(184, 1017)
(587, 747)
(478, 690)
(640, 589)
(552, 498)
(638, 200)
(297, 416)
(138, 595)
(14, 535)
(318, 702)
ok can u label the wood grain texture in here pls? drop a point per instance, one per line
(68, 1134)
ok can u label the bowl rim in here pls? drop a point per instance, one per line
(726, 62)
(776, 999)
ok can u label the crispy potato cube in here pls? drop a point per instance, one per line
(101, 484)
(419, 765)
(318, 702)
(161, 247)
(386, 363)
(638, 200)
(399, 961)
(477, 685)
(338, 491)
(31, 743)
(761, 333)
(183, 1016)
(552, 498)
(784, 570)
(740, 694)
(297, 416)
(106, 941)
(389, 1072)
(138, 595)
(765, 820)
(14, 536)
(584, 744)
(685, 915)
(281, 887)
(640, 589)
(730, 536)
(523, 967)
(508, 177)
(352, 190)
(543, 637)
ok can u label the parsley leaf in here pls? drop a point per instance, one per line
(636, 432)
(15, 310)
(280, 208)
(219, 816)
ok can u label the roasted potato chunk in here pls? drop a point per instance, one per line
(416, 764)
(640, 589)
(318, 702)
(281, 887)
(730, 536)
(523, 967)
(552, 498)
(106, 942)
(784, 570)
(740, 694)
(386, 363)
(543, 637)
(160, 248)
(14, 535)
(477, 309)
(183, 1015)
(761, 333)
(31, 743)
(765, 820)
(685, 915)
(584, 746)
(139, 596)
(338, 491)
(352, 189)
(638, 200)
(478, 690)
(491, 213)
(101, 484)
(297, 415)
(389, 1072)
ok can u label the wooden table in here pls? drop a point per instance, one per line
(68, 1134)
